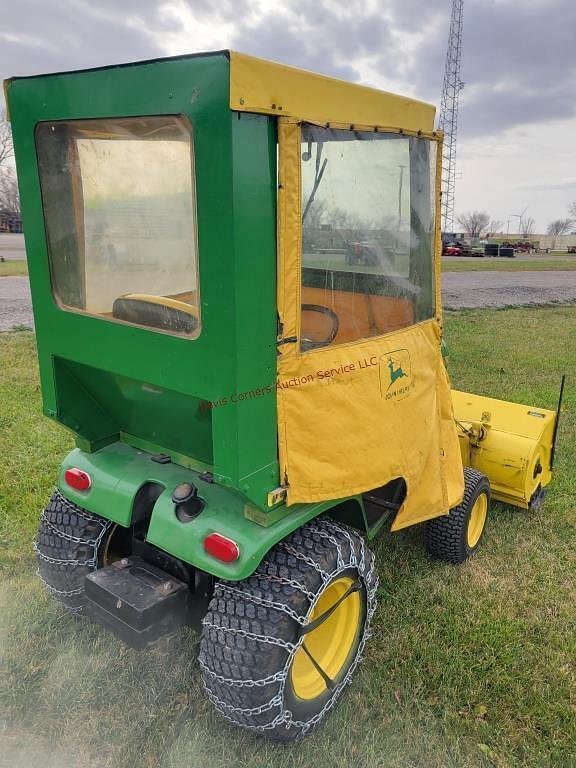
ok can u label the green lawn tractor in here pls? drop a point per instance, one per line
(249, 403)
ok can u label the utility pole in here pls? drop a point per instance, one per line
(448, 120)
(400, 187)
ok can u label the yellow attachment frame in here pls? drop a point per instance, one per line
(510, 443)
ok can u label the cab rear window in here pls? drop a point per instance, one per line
(120, 215)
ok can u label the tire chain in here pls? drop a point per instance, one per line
(94, 543)
(284, 717)
(92, 562)
(61, 592)
(288, 582)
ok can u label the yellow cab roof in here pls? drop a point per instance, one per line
(257, 85)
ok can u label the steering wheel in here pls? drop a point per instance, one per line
(161, 312)
(307, 343)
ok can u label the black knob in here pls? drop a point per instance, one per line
(183, 493)
(188, 503)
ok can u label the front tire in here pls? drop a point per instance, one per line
(257, 642)
(456, 536)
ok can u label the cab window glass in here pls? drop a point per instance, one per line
(120, 211)
(367, 234)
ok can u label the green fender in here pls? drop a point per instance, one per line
(118, 471)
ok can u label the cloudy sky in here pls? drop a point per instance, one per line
(517, 145)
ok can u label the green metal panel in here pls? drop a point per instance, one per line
(250, 416)
(104, 379)
(97, 401)
(118, 471)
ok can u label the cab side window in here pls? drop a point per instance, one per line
(367, 234)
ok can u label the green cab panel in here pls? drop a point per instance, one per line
(103, 379)
(118, 471)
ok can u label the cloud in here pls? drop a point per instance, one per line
(561, 185)
(514, 50)
(49, 37)
(519, 58)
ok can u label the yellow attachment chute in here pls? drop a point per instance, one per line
(510, 443)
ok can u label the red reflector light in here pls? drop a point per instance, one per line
(221, 548)
(78, 479)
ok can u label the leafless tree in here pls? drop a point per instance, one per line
(340, 218)
(559, 227)
(6, 148)
(474, 222)
(9, 196)
(495, 226)
(527, 226)
(572, 210)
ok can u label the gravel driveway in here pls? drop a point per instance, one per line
(506, 289)
(15, 304)
(12, 247)
(461, 290)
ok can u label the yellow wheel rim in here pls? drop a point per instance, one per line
(477, 520)
(330, 643)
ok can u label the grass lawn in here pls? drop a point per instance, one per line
(468, 667)
(13, 267)
(506, 265)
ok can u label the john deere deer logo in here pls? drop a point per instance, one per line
(395, 374)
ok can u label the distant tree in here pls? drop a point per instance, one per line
(9, 196)
(340, 218)
(572, 210)
(527, 226)
(495, 226)
(6, 148)
(559, 227)
(474, 222)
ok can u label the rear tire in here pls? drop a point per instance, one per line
(458, 535)
(69, 545)
(254, 666)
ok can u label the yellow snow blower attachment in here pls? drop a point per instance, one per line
(512, 444)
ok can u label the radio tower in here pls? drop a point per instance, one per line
(448, 120)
